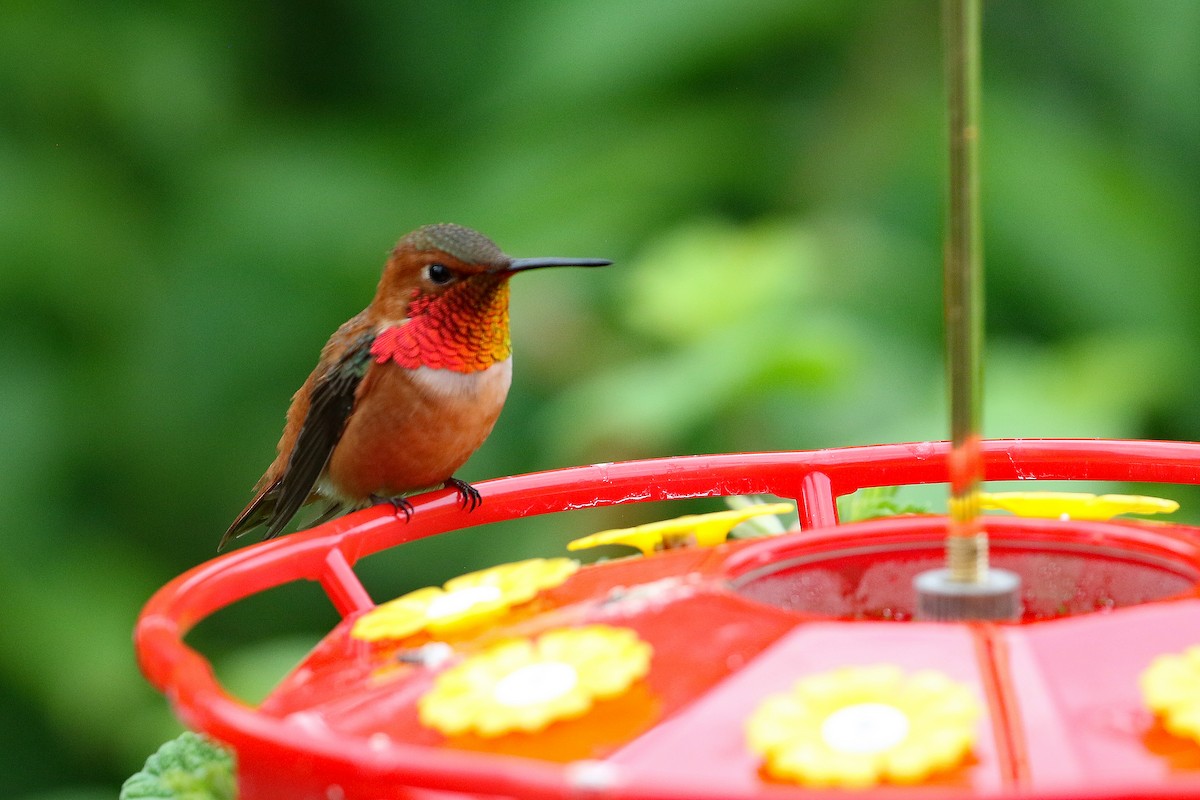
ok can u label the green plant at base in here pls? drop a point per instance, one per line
(189, 767)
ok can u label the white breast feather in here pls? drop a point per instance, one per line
(450, 384)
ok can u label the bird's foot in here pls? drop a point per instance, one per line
(399, 503)
(468, 496)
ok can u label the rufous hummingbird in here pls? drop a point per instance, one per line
(407, 389)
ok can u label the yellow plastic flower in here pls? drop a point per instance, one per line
(859, 726)
(1171, 689)
(524, 685)
(1075, 505)
(703, 530)
(464, 601)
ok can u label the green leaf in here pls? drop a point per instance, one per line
(875, 501)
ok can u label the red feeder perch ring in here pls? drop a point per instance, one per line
(1062, 713)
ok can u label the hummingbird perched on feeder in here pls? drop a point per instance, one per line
(407, 389)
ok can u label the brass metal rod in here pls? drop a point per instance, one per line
(966, 544)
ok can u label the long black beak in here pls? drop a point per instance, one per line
(519, 264)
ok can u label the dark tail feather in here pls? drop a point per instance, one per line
(260, 509)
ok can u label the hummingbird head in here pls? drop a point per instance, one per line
(447, 287)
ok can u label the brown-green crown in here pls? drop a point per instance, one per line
(464, 244)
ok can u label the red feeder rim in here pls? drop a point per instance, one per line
(319, 758)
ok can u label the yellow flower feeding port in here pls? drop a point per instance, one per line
(464, 602)
(1074, 505)
(860, 726)
(524, 685)
(696, 530)
(1171, 687)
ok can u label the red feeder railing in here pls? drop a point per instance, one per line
(1045, 737)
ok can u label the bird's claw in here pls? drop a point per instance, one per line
(399, 504)
(468, 496)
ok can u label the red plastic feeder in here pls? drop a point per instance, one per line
(1062, 711)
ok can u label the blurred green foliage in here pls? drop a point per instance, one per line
(193, 196)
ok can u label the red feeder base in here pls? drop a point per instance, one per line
(1063, 711)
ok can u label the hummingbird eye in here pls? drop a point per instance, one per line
(438, 274)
